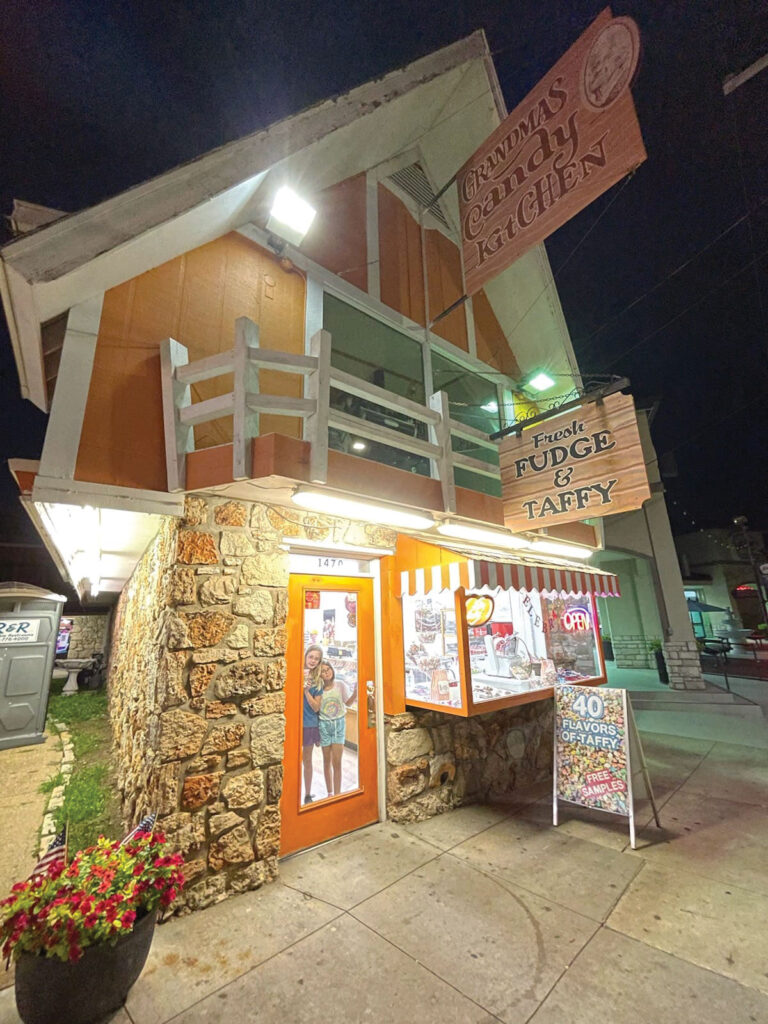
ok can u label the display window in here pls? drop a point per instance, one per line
(467, 651)
(432, 663)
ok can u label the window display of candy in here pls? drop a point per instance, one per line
(570, 635)
(432, 673)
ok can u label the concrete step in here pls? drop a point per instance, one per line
(710, 695)
(709, 701)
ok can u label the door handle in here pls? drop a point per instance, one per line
(370, 702)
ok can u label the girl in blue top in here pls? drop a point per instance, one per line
(313, 688)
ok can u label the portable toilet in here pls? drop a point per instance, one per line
(29, 626)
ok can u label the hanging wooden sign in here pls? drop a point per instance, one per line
(572, 137)
(579, 464)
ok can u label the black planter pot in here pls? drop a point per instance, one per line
(53, 991)
(661, 667)
(608, 650)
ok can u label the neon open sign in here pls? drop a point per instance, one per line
(576, 620)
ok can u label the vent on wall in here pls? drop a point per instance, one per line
(413, 181)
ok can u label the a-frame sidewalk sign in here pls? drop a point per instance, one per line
(598, 758)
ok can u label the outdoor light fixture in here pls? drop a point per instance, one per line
(554, 547)
(386, 515)
(298, 544)
(481, 536)
(541, 382)
(290, 216)
(359, 446)
(75, 530)
(490, 406)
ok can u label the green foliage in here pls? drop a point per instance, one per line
(90, 801)
(80, 707)
(655, 645)
(95, 899)
(50, 784)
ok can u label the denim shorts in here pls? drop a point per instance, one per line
(332, 730)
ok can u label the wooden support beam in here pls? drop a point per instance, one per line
(246, 423)
(318, 391)
(179, 437)
(204, 412)
(440, 436)
(204, 369)
(362, 389)
(281, 405)
(288, 361)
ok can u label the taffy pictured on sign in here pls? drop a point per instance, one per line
(598, 753)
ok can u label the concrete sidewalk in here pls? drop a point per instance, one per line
(489, 914)
(22, 770)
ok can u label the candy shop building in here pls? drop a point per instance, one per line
(269, 443)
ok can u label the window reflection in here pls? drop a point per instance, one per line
(329, 702)
(431, 649)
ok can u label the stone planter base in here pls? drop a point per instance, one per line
(53, 991)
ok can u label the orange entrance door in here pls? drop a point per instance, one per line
(330, 775)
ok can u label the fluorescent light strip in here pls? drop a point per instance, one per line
(295, 544)
(553, 547)
(385, 515)
(480, 536)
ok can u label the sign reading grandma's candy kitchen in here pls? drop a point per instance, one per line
(573, 466)
(569, 140)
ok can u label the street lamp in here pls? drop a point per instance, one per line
(742, 523)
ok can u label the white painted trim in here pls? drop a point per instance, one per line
(65, 425)
(319, 391)
(469, 312)
(313, 310)
(378, 645)
(245, 421)
(317, 275)
(79, 492)
(53, 551)
(373, 257)
(10, 318)
(24, 324)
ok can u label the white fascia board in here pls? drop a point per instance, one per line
(65, 424)
(26, 337)
(128, 499)
(61, 247)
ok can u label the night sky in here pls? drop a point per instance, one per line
(662, 279)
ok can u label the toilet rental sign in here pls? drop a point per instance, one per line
(574, 466)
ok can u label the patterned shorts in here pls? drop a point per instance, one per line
(332, 730)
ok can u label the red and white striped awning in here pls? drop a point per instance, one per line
(478, 574)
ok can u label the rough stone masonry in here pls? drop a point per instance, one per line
(197, 699)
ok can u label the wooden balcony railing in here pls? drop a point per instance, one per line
(245, 402)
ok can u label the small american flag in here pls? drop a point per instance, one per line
(146, 824)
(56, 852)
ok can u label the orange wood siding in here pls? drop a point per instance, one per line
(195, 299)
(401, 275)
(445, 287)
(337, 238)
(492, 346)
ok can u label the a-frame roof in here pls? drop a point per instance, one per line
(445, 103)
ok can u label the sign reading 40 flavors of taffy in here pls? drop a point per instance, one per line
(579, 464)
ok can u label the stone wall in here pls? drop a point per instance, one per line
(631, 652)
(89, 634)
(197, 680)
(683, 665)
(436, 762)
